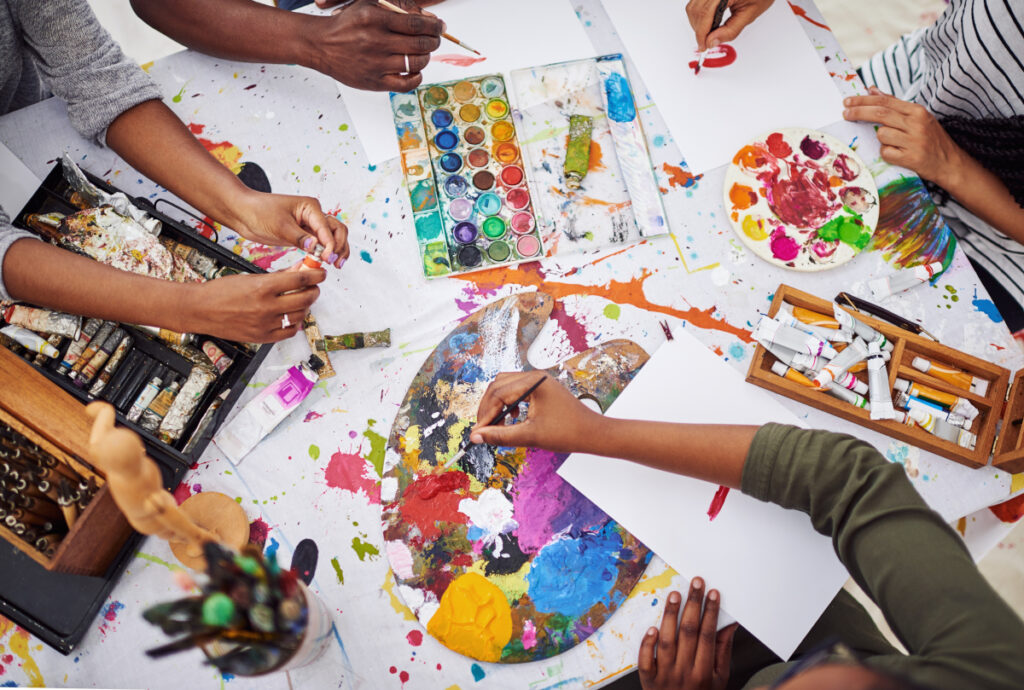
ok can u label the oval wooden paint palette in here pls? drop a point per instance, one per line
(801, 199)
(499, 558)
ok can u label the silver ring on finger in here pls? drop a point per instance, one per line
(408, 70)
(285, 322)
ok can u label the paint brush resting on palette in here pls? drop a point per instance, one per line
(395, 8)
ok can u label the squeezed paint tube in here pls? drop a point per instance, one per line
(205, 421)
(185, 403)
(355, 341)
(218, 359)
(942, 429)
(851, 382)
(144, 398)
(780, 369)
(785, 316)
(846, 395)
(203, 264)
(955, 404)
(54, 340)
(33, 341)
(94, 345)
(797, 360)
(44, 320)
(577, 153)
(878, 384)
(770, 331)
(76, 348)
(157, 410)
(169, 337)
(852, 354)
(848, 323)
(112, 365)
(951, 375)
(903, 280)
(92, 195)
(97, 361)
(46, 224)
(909, 402)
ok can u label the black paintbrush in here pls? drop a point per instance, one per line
(715, 23)
(884, 314)
(505, 412)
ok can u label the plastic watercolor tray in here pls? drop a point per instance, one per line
(471, 202)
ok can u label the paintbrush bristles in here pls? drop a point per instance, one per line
(395, 8)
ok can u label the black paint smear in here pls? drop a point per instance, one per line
(304, 560)
(510, 560)
(253, 177)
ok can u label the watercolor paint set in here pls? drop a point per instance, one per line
(171, 389)
(490, 185)
(950, 403)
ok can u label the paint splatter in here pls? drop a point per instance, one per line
(364, 549)
(258, 532)
(415, 638)
(365, 256)
(314, 451)
(718, 502)
(229, 155)
(478, 672)
(312, 415)
(19, 642)
(1010, 511)
(802, 13)
(677, 177)
(612, 311)
(350, 472)
(109, 616)
(457, 60)
(338, 572)
(911, 231)
(987, 307)
(574, 330)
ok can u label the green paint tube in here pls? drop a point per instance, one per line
(355, 341)
(577, 154)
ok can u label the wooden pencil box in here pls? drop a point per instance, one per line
(1000, 433)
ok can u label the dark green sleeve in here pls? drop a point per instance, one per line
(959, 632)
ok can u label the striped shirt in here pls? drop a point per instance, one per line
(970, 64)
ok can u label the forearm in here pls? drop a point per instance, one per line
(157, 144)
(982, 193)
(256, 33)
(714, 453)
(51, 277)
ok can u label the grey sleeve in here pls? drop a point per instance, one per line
(81, 63)
(8, 236)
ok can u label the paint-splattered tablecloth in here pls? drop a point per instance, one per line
(318, 475)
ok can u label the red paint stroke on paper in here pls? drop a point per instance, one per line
(351, 472)
(719, 56)
(717, 502)
(575, 331)
(802, 13)
(457, 60)
(312, 415)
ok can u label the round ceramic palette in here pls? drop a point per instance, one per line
(801, 199)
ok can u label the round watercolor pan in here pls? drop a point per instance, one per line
(492, 88)
(460, 209)
(435, 96)
(483, 180)
(488, 204)
(503, 131)
(499, 251)
(442, 118)
(470, 256)
(801, 199)
(465, 233)
(469, 113)
(518, 199)
(456, 186)
(451, 162)
(446, 140)
(528, 246)
(478, 158)
(522, 223)
(494, 228)
(474, 136)
(512, 176)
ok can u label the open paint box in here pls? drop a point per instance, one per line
(489, 185)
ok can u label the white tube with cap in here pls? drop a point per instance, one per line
(30, 340)
(770, 331)
(854, 353)
(785, 315)
(848, 323)
(878, 383)
(903, 280)
(941, 429)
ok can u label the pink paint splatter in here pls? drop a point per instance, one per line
(258, 531)
(182, 493)
(350, 472)
(353, 433)
(415, 638)
(717, 502)
(311, 415)
(457, 60)
(574, 330)
(109, 614)
(529, 635)
(784, 248)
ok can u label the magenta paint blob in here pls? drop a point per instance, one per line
(813, 149)
(784, 247)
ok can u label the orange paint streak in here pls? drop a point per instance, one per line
(802, 13)
(227, 153)
(591, 201)
(679, 177)
(593, 683)
(531, 275)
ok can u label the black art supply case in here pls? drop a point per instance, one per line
(59, 608)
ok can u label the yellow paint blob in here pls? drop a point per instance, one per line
(410, 447)
(229, 155)
(655, 583)
(474, 618)
(1017, 482)
(513, 586)
(19, 647)
(502, 131)
(754, 228)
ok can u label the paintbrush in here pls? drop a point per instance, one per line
(395, 8)
(715, 23)
(884, 314)
(505, 412)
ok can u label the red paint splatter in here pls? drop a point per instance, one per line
(717, 502)
(182, 493)
(777, 145)
(110, 616)
(802, 13)
(719, 56)
(575, 331)
(677, 177)
(258, 531)
(457, 60)
(392, 670)
(351, 472)
(1010, 511)
(311, 415)
(415, 638)
(8, 658)
(403, 677)
(433, 500)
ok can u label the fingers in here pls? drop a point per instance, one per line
(881, 114)
(425, 26)
(723, 649)
(704, 659)
(701, 14)
(299, 301)
(400, 83)
(396, 64)
(286, 281)
(668, 635)
(689, 626)
(646, 665)
(741, 15)
(339, 231)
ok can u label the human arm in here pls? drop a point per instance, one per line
(362, 45)
(701, 14)
(911, 137)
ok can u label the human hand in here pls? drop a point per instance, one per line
(910, 136)
(365, 45)
(281, 220)
(555, 420)
(251, 308)
(691, 655)
(741, 13)
(324, 4)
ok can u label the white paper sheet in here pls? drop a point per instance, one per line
(512, 40)
(777, 79)
(17, 183)
(776, 574)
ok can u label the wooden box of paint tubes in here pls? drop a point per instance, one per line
(944, 400)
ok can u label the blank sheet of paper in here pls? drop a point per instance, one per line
(776, 574)
(777, 79)
(17, 183)
(527, 33)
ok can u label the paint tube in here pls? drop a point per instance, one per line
(76, 348)
(955, 404)
(878, 384)
(185, 403)
(942, 429)
(33, 341)
(46, 224)
(577, 153)
(94, 345)
(852, 354)
(785, 316)
(205, 421)
(903, 280)
(169, 337)
(112, 365)
(268, 409)
(951, 375)
(813, 318)
(846, 395)
(44, 320)
(91, 195)
(218, 359)
(203, 264)
(770, 331)
(780, 369)
(55, 341)
(157, 410)
(97, 361)
(909, 402)
(144, 398)
(851, 382)
(797, 360)
(849, 323)
(355, 341)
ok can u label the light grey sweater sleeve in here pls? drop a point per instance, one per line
(81, 63)
(8, 236)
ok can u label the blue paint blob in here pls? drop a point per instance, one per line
(446, 140)
(988, 308)
(737, 351)
(228, 677)
(272, 548)
(478, 673)
(621, 107)
(365, 256)
(441, 118)
(555, 584)
(659, 140)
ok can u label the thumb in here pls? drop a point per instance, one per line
(512, 435)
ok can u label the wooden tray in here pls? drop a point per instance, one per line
(998, 411)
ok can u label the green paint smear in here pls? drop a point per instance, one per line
(613, 312)
(363, 549)
(316, 168)
(847, 229)
(314, 451)
(158, 561)
(377, 444)
(177, 96)
(337, 570)
(343, 128)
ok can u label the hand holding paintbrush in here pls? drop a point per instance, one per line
(706, 19)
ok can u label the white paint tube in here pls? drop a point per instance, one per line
(878, 382)
(848, 380)
(956, 405)
(770, 331)
(848, 323)
(941, 429)
(786, 317)
(32, 341)
(854, 352)
(903, 280)
(796, 360)
(909, 402)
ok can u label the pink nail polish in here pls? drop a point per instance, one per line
(332, 258)
(307, 244)
(342, 263)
